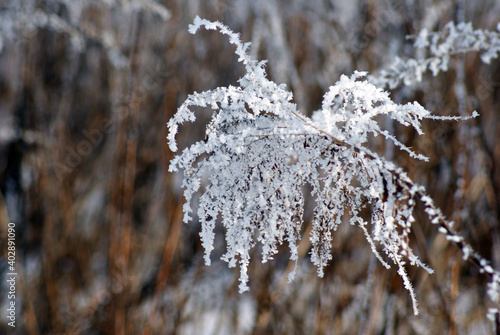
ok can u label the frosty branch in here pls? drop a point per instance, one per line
(260, 152)
(439, 46)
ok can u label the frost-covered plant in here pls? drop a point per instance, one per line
(260, 151)
(438, 48)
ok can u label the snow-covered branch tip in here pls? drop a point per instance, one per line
(260, 151)
(438, 48)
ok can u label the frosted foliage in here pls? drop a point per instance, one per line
(439, 47)
(260, 151)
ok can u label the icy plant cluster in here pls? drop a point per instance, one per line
(260, 152)
(438, 47)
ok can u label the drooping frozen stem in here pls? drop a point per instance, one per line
(259, 152)
(439, 48)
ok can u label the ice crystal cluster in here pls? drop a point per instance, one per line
(260, 152)
(439, 47)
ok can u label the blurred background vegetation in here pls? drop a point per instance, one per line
(86, 89)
